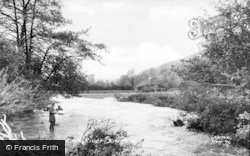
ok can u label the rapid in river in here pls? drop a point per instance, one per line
(143, 121)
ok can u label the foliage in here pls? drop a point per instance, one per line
(128, 79)
(219, 111)
(166, 101)
(69, 80)
(101, 85)
(243, 129)
(20, 96)
(131, 77)
(225, 58)
(157, 99)
(222, 140)
(242, 135)
(9, 59)
(165, 78)
(216, 82)
(6, 132)
(100, 138)
(36, 30)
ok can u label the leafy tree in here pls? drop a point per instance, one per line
(33, 27)
(229, 51)
(9, 59)
(141, 77)
(124, 80)
(152, 72)
(131, 77)
(226, 58)
(91, 79)
(224, 68)
(69, 79)
(101, 83)
(128, 81)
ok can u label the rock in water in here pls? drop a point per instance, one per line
(178, 123)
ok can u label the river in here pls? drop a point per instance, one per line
(143, 122)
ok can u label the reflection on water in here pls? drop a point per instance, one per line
(52, 135)
(143, 122)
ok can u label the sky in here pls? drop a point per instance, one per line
(139, 34)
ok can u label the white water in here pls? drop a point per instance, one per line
(143, 122)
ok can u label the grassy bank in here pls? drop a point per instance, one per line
(162, 99)
(100, 94)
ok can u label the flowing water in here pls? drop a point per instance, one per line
(143, 122)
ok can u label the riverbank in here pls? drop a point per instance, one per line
(224, 117)
(142, 121)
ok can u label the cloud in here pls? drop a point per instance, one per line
(113, 5)
(90, 8)
(159, 12)
(149, 55)
(175, 12)
(79, 7)
(181, 11)
(120, 60)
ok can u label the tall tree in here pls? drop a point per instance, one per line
(34, 27)
(124, 80)
(91, 79)
(226, 58)
(131, 77)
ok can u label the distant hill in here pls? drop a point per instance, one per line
(161, 75)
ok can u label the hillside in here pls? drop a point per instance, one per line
(161, 75)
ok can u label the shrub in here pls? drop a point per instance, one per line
(100, 138)
(161, 100)
(149, 99)
(167, 101)
(218, 110)
(6, 132)
(243, 130)
(222, 140)
(195, 124)
(140, 98)
(19, 96)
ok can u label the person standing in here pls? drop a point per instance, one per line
(52, 118)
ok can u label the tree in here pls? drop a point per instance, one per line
(152, 72)
(100, 83)
(229, 52)
(141, 77)
(91, 79)
(123, 81)
(33, 27)
(69, 79)
(226, 58)
(9, 59)
(131, 77)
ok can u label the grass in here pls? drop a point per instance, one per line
(101, 94)
(110, 91)
(163, 99)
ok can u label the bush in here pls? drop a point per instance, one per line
(167, 101)
(19, 96)
(6, 133)
(100, 138)
(218, 110)
(161, 100)
(243, 130)
(140, 98)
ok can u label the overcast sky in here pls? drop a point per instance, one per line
(139, 34)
